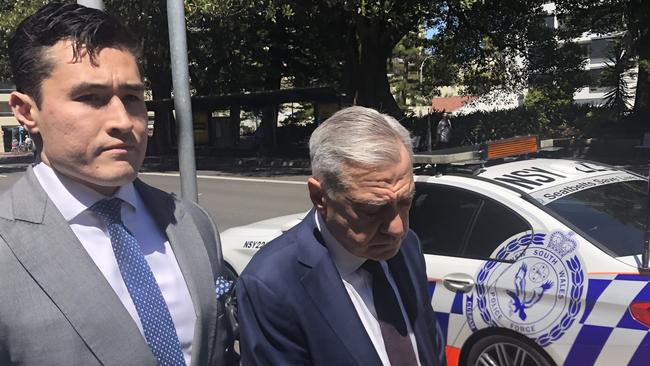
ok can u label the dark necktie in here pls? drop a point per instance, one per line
(389, 315)
(159, 330)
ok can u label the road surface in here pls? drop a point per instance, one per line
(231, 200)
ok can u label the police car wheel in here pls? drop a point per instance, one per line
(502, 350)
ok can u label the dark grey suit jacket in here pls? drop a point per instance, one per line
(56, 307)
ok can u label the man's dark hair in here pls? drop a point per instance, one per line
(89, 30)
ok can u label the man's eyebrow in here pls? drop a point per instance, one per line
(139, 87)
(369, 202)
(406, 197)
(85, 86)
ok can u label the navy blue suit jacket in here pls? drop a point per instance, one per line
(295, 310)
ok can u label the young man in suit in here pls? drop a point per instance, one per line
(96, 267)
(346, 286)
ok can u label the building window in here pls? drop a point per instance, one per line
(599, 50)
(585, 50)
(596, 83)
(549, 21)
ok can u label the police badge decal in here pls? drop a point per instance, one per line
(538, 295)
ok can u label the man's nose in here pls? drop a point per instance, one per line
(119, 118)
(394, 224)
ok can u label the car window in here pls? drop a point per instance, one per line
(494, 224)
(441, 217)
(458, 222)
(613, 214)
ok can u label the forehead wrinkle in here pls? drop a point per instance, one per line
(406, 192)
(390, 194)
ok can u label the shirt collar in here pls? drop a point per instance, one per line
(72, 198)
(345, 262)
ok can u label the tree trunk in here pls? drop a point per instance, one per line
(350, 71)
(161, 139)
(639, 12)
(642, 98)
(235, 122)
(269, 127)
(272, 81)
(157, 68)
(375, 47)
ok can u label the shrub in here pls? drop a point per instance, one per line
(546, 119)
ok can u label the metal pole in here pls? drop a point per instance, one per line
(645, 254)
(422, 67)
(182, 100)
(96, 4)
(429, 146)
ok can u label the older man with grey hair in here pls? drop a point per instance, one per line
(346, 286)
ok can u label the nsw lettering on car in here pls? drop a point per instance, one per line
(533, 178)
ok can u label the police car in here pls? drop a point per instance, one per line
(533, 261)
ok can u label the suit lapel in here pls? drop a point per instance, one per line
(322, 282)
(192, 258)
(43, 242)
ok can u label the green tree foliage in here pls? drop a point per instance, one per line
(415, 71)
(506, 44)
(404, 71)
(631, 18)
(379, 25)
(13, 12)
(248, 45)
(618, 70)
(361, 35)
(259, 45)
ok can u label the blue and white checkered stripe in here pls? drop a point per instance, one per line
(449, 311)
(605, 335)
(608, 335)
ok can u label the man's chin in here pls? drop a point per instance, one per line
(384, 252)
(110, 180)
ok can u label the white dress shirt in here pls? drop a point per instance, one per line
(358, 283)
(74, 200)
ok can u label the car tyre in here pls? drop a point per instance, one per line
(501, 350)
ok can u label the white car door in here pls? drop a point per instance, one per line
(460, 225)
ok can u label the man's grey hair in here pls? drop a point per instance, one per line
(355, 136)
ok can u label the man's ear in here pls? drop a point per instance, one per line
(25, 111)
(316, 194)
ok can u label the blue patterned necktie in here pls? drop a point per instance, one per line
(156, 320)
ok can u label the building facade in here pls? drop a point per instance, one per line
(596, 50)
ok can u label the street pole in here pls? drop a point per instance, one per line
(95, 4)
(422, 67)
(182, 98)
(429, 146)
